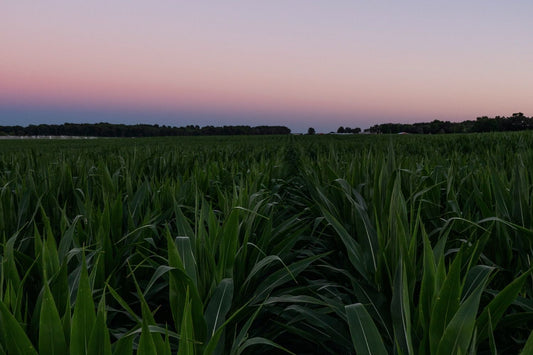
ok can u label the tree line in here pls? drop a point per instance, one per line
(516, 122)
(342, 129)
(139, 130)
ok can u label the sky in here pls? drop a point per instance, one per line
(298, 63)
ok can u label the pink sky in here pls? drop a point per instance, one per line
(301, 62)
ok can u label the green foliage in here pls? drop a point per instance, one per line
(51, 335)
(365, 335)
(239, 245)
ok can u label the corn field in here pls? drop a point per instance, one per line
(248, 245)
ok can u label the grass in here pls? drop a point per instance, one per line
(230, 245)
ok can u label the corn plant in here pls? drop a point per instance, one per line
(239, 245)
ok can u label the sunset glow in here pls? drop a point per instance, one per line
(297, 63)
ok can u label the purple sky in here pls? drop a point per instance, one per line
(297, 63)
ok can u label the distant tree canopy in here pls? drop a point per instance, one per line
(516, 122)
(341, 129)
(139, 130)
(311, 131)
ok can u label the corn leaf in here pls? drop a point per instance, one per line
(51, 335)
(366, 338)
(84, 316)
(15, 338)
(499, 304)
(458, 333)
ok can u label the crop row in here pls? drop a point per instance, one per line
(300, 244)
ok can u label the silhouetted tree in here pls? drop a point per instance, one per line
(311, 131)
(103, 129)
(516, 122)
